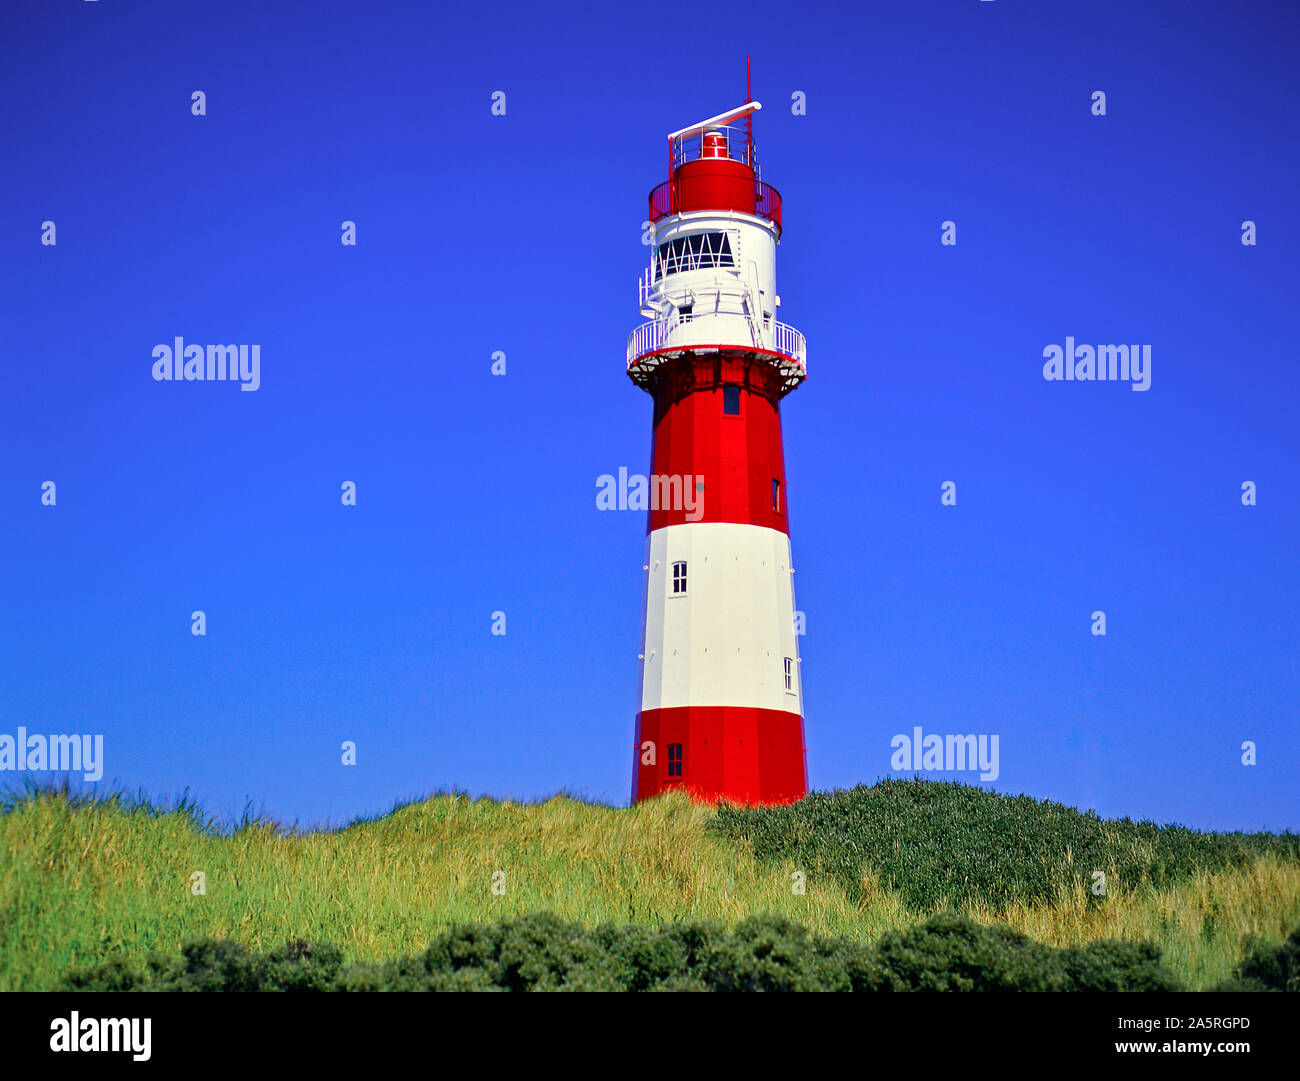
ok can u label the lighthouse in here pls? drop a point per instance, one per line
(721, 710)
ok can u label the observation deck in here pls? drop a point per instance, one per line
(653, 343)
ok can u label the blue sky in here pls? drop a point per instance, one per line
(522, 234)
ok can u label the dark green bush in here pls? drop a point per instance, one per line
(211, 965)
(1268, 968)
(945, 845)
(543, 953)
(1117, 966)
(952, 953)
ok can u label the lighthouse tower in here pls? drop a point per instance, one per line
(721, 712)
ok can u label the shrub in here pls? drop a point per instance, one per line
(540, 952)
(211, 965)
(1268, 968)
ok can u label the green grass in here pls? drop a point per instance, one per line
(940, 844)
(86, 881)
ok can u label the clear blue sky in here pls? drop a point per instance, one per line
(477, 493)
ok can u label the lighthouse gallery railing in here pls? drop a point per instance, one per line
(665, 200)
(778, 338)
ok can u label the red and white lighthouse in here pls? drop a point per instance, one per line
(721, 712)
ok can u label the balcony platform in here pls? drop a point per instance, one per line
(783, 348)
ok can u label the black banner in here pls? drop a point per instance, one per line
(143, 1031)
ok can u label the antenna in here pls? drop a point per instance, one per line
(749, 120)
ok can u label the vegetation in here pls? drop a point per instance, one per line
(85, 881)
(940, 844)
(1268, 968)
(763, 953)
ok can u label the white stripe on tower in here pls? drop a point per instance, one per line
(724, 639)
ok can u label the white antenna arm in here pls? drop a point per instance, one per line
(720, 119)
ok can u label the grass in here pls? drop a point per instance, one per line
(942, 844)
(82, 881)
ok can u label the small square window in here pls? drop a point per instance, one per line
(679, 577)
(674, 760)
(731, 400)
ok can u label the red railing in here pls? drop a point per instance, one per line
(664, 200)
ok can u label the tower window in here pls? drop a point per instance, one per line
(674, 760)
(789, 674)
(694, 251)
(776, 495)
(679, 577)
(731, 400)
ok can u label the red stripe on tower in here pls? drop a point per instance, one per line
(721, 698)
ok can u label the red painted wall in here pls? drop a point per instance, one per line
(715, 184)
(740, 754)
(738, 456)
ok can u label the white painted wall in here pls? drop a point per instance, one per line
(719, 311)
(724, 642)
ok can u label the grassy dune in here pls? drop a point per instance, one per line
(82, 882)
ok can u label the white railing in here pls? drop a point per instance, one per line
(791, 342)
(777, 337)
(645, 339)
